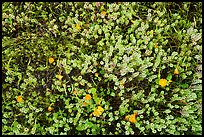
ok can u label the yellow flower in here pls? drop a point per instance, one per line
(156, 45)
(176, 72)
(19, 99)
(51, 60)
(59, 77)
(49, 108)
(122, 82)
(131, 118)
(78, 27)
(98, 111)
(163, 82)
(96, 74)
(88, 97)
(104, 13)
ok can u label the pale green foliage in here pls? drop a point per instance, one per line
(117, 58)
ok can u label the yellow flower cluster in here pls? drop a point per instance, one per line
(98, 111)
(163, 82)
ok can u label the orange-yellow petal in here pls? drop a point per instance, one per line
(88, 97)
(49, 108)
(122, 82)
(78, 27)
(75, 92)
(96, 74)
(104, 13)
(132, 118)
(86, 25)
(51, 60)
(163, 82)
(176, 72)
(100, 109)
(84, 103)
(136, 113)
(19, 99)
(156, 45)
(96, 113)
(127, 117)
(59, 77)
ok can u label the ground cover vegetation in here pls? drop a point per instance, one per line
(110, 68)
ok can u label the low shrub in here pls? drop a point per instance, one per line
(106, 68)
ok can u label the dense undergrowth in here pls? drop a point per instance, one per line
(102, 68)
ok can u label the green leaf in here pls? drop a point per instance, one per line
(169, 77)
(142, 129)
(197, 81)
(196, 87)
(113, 94)
(101, 72)
(193, 96)
(89, 124)
(4, 121)
(15, 123)
(184, 85)
(93, 90)
(167, 111)
(96, 99)
(92, 25)
(34, 94)
(81, 127)
(55, 116)
(157, 61)
(10, 20)
(69, 89)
